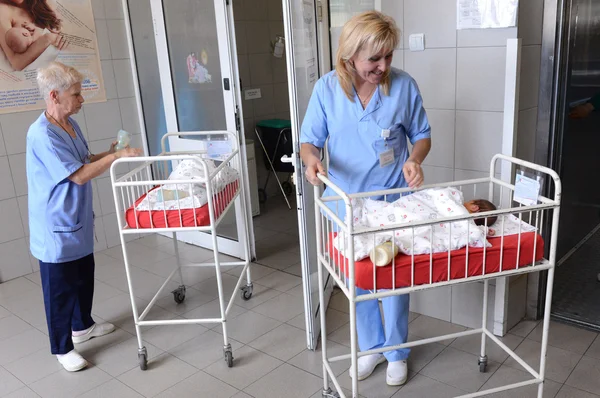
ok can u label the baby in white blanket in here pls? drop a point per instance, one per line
(423, 205)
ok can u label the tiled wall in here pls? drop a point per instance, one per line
(461, 75)
(257, 22)
(100, 123)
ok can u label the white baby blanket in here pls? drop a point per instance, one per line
(423, 205)
(166, 198)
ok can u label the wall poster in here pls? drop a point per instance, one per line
(36, 32)
(482, 14)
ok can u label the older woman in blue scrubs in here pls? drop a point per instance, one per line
(366, 110)
(61, 220)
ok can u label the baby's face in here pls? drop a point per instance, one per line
(19, 39)
(471, 206)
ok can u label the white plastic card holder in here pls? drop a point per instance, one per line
(527, 189)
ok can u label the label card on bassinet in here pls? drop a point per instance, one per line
(218, 149)
(527, 190)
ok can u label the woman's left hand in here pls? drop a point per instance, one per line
(413, 173)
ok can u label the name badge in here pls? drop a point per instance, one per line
(386, 157)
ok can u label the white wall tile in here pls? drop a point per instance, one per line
(241, 40)
(99, 234)
(480, 79)
(244, 67)
(2, 147)
(395, 9)
(436, 303)
(435, 18)
(110, 84)
(107, 201)
(531, 17)
(257, 36)
(15, 260)
(255, 10)
(279, 69)
(6, 180)
(260, 69)
(398, 59)
(80, 119)
(485, 37)
(100, 146)
(238, 10)
(96, 201)
(281, 97)
(442, 138)
(477, 191)
(129, 115)
(19, 173)
(111, 230)
(11, 227)
(24, 210)
(530, 76)
(103, 119)
(248, 108)
(124, 78)
(467, 305)
(113, 9)
(14, 129)
(435, 175)
(478, 139)
(103, 39)
(98, 9)
(265, 105)
(118, 38)
(526, 134)
(275, 28)
(435, 73)
(275, 10)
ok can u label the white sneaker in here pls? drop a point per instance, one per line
(397, 373)
(72, 361)
(367, 364)
(96, 330)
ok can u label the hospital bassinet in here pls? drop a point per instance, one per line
(507, 255)
(149, 200)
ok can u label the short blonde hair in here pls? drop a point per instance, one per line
(371, 31)
(57, 77)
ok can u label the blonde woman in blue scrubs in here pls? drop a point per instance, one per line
(61, 220)
(366, 110)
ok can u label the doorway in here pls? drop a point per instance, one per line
(577, 287)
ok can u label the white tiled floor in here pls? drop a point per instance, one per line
(267, 335)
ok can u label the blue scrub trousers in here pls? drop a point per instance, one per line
(370, 329)
(68, 294)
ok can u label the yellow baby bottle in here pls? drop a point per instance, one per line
(383, 254)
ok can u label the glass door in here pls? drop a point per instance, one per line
(195, 46)
(304, 68)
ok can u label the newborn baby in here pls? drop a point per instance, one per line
(426, 205)
(20, 37)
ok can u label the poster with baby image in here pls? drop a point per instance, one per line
(36, 32)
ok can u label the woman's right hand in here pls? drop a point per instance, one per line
(314, 167)
(128, 153)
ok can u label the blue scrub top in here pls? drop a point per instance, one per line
(355, 135)
(61, 217)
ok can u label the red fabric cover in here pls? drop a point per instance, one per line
(364, 268)
(176, 218)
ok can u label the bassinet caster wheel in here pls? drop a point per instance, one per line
(229, 357)
(143, 358)
(482, 364)
(247, 292)
(262, 196)
(330, 394)
(287, 188)
(179, 294)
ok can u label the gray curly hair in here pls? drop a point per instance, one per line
(57, 77)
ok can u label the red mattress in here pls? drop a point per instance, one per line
(403, 265)
(180, 218)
